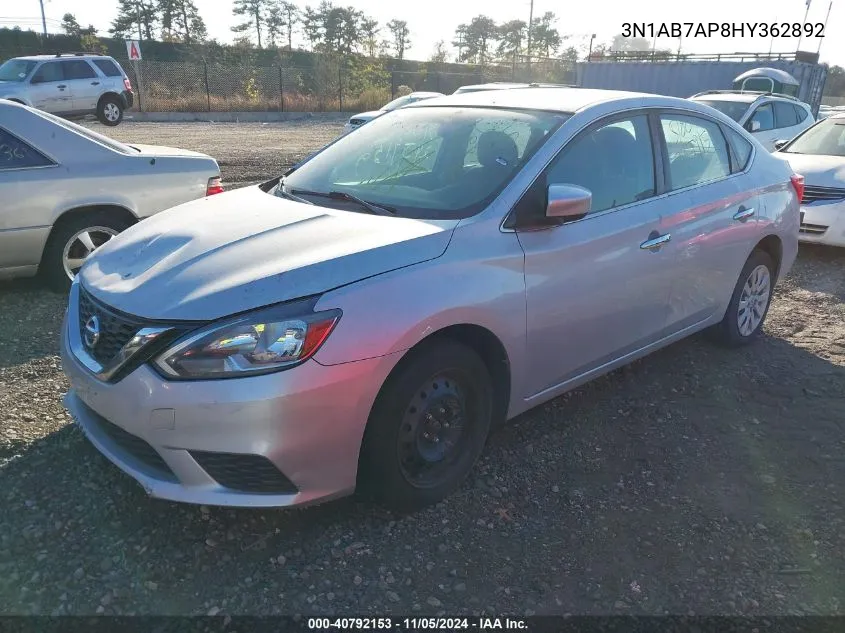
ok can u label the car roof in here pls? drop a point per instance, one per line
(743, 97)
(423, 93)
(42, 58)
(552, 99)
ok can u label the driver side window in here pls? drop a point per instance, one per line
(614, 161)
(764, 116)
(51, 71)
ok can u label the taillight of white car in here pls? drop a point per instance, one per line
(215, 185)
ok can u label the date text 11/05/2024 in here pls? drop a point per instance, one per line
(417, 624)
(722, 29)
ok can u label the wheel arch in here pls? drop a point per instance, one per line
(773, 247)
(71, 214)
(112, 95)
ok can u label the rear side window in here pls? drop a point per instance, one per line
(697, 149)
(15, 154)
(108, 67)
(50, 71)
(801, 113)
(740, 150)
(785, 114)
(78, 69)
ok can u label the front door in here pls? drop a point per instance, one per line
(597, 288)
(50, 92)
(761, 124)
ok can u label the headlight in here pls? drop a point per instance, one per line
(267, 340)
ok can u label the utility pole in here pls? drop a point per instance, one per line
(590, 53)
(43, 19)
(530, 20)
(138, 9)
(821, 39)
(806, 13)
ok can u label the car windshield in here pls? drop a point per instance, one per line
(733, 109)
(89, 134)
(825, 139)
(16, 69)
(398, 103)
(426, 162)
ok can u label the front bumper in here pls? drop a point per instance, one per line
(307, 422)
(823, 223)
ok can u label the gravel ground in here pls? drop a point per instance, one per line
(699, 480)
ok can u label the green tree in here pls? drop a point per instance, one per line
(570, 55)
(290, 18)
(511, 35)
(545, 39)
(312, 27)
(254, 13)
(629, 44)
(70, 25)
(369, 35)
(275, 24)
(835, 84)
(401, 37)
(135, 17)
(480, 36)
(181, 21)
(460, 40)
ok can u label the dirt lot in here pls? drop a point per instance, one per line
(698, 480)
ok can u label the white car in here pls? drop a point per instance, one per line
(769, 117)
(363, 117)
(65, 190)
(819, 155)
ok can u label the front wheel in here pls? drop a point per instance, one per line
(72, 241)
(428, 426)
(750, 301)
(110, 111)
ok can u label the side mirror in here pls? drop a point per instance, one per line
(754, 126)
(780, 144)
(568, 202)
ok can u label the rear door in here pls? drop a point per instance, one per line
(84, 82)
(711, 215)
(48, 89)
(786, 121)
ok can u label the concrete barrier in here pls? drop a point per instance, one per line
(235, 117)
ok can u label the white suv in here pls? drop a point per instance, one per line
(69, 85)
(769, 117)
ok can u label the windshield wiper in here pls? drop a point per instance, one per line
(375, 209)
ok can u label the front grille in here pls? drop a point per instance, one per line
(135, 447)
(813, 229)
(244, 473)
(116, 329)
(813, 193)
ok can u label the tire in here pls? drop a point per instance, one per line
(110, 110)
(400, 439)
(730, 332)
(65, 238)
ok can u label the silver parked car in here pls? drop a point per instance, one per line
(66, 190)
(363, 321)
(819, 154)
(359, 119)
(69, 85)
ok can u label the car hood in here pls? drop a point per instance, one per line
(245, 249)
(161, 150)
(367, 115)
(818, 171)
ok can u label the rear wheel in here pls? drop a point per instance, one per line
(750, 301)
(73, 241)
(110, 111)
(428, 427)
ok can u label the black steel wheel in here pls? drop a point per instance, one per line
(428, 426)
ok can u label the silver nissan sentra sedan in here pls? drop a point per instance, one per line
(363, 321)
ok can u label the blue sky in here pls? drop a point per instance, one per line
(434, 20)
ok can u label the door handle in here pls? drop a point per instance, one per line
(654, 242)
(61, 87)
(95, 83)
(744, 213)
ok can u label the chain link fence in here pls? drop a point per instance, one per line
(328, 85)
